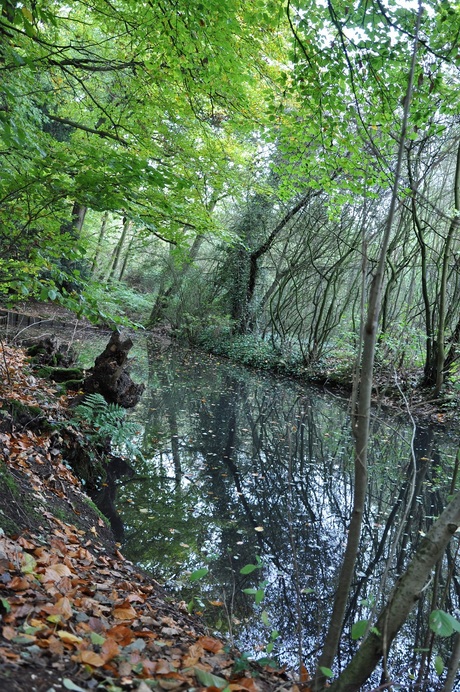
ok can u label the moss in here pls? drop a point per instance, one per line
(60, 374)
(27, 416)
(19, 409)
(96, 509)
(7, 480)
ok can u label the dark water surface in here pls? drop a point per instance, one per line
(240, 468)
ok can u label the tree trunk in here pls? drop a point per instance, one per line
(100, 239)
(127, 225)
(404, 597)
(164, 293)
(454, 225)
(361, 417)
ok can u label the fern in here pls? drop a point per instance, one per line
(106, 421)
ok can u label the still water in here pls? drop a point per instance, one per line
(239, 468)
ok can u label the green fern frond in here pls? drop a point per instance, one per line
(106, 421)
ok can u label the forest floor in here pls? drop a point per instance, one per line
(75, 614)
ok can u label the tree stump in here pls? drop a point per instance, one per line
(110, 374)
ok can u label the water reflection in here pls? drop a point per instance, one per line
(239, 465)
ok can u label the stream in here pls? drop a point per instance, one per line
(250, 478)
(241, 497)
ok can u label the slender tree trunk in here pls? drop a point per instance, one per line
(127, 224)
(361, 419)
(453, 666)
(403, 599)
(454, 225)
(77, 218)
(164, 293)
(126, 257)
(100, 239)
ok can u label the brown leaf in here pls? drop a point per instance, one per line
(304, 675)
(25, 543)
(64, 608)
(163, 667)
(56, 572)
(249, 684)
(109, 649)
(19, 584)
(124, 613)
(194, 654)
(55, 646)
(171, 683)
(9, 633)
(122, 634)
(92, 658)
(69, 638)
(210, 644)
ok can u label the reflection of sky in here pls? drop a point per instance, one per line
(265, 469)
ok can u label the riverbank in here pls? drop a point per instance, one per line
(75, 613)
(398, 392)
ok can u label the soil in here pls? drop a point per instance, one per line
(75, 614)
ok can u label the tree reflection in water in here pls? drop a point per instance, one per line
(239, 464)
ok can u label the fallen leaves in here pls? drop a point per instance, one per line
(98, 611)
(67, 605)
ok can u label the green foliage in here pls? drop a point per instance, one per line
(199, 574)
(104, 421)
(443, 624)
(249, 568)
(359, 628)
(327, 672)
(439, 665)
(120, 304)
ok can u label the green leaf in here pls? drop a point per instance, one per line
(69, 685)
(198, 574)
(260, 595)
(439, 665)
(358, 629)
(28, 564)
(247, 569)
(5, 604)
(208, 679)
(266, 661)
(443, 624)
(251, 592)
(97, 638)
(327, 672)
(265, 619)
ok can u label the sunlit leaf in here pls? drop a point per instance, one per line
(97, 638)
(28, 564)
(92, 658)
(327, 672)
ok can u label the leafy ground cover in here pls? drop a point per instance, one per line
(75, 614)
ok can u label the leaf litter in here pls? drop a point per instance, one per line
(75, 614)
